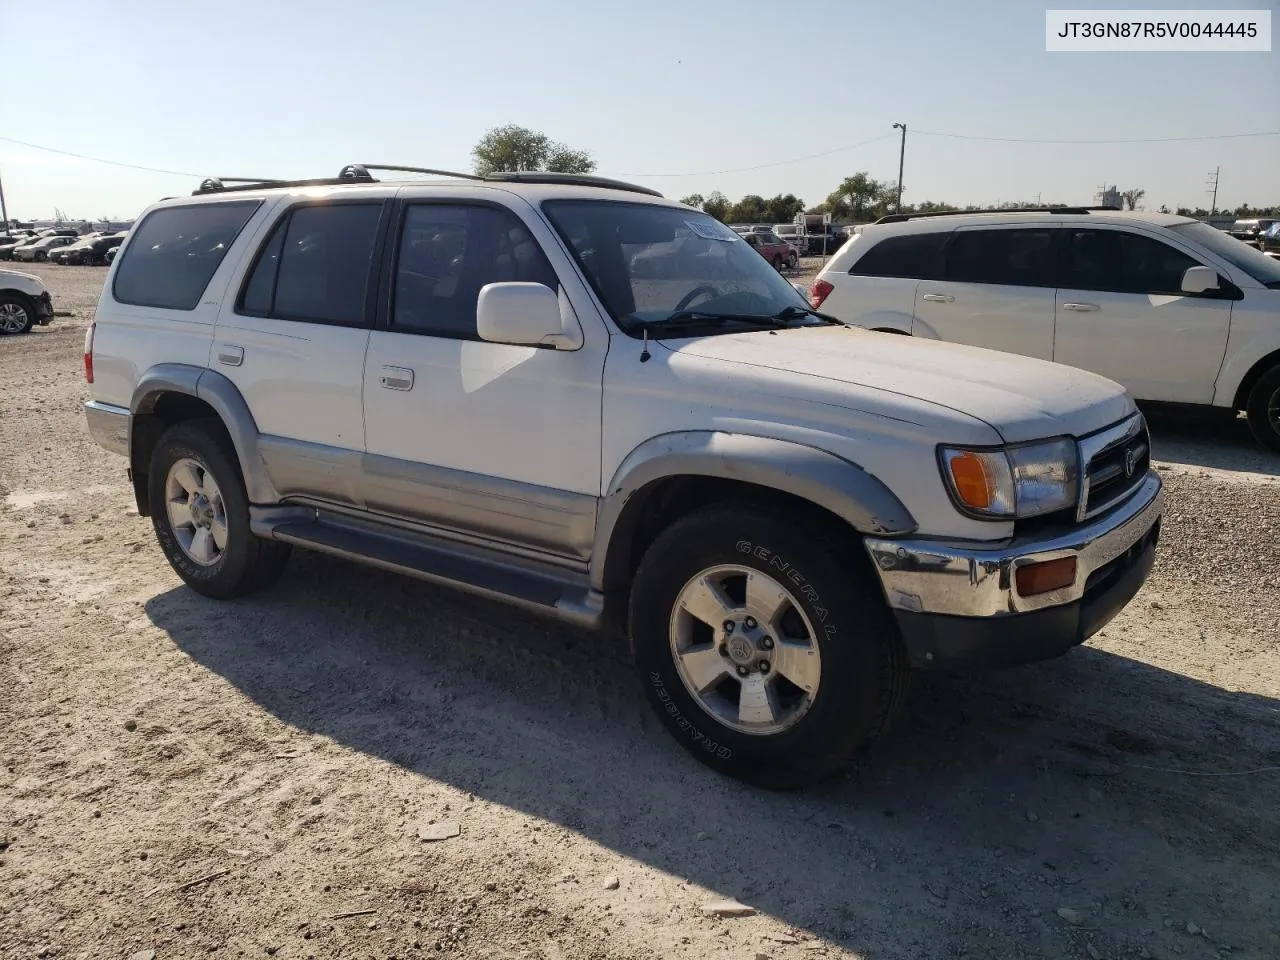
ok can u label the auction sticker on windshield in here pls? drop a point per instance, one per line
(712, 230)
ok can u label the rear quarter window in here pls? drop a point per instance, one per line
(175, 251)
(914, 255)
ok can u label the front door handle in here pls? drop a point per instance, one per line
(1080, 307)
(938, 297)
(230, 355)
(397, 378)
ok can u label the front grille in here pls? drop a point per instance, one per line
(1116, 467)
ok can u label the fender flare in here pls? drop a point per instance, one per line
(818, 476)
(227, 402)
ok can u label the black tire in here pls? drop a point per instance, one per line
(864, 668)
(793, 261)
(10, 299)
(1264, 410)
(41, 256)
(777, 262)
(247, 563)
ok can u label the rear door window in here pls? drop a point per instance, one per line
(914, 255)
(315, 267)
(175, 252)
(1015, 258)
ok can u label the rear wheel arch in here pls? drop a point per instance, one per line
(169, 394)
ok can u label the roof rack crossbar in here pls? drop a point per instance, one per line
(902, 217)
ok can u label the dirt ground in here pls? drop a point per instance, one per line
(204, 779)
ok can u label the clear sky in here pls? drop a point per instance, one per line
(285, 88)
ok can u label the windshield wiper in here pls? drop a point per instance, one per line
(684, 319)
(792, 313)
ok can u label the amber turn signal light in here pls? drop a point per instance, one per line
(1035, 578)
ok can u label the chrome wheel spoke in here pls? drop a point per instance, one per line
(187, 474)
(757, 703)
(705, 600)
(799, 663)
(202, 548)
(704, 667)
(218, 529)
(766, 599)
(180, 514)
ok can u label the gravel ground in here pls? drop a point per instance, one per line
(254, 778)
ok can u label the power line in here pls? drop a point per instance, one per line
(762, 166)
(1218, 136)
(114, 163)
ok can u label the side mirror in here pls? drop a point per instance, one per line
(526, 314)
(1200, 280)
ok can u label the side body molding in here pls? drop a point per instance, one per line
(223, 396)
(822, 478)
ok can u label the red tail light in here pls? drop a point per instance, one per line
(818, 293)
(88, 353)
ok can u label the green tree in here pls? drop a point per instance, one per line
(750, 209)
(695, 200)
(512, 147)
(782, 209)
(717, 205)
(857, 197)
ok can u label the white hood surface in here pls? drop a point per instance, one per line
(1022, 398)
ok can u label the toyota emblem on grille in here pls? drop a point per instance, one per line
(1130, 461)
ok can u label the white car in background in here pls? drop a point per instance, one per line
(1171, 308)
(24, 302)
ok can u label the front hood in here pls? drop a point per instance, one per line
(8, 274)
(1021, 398)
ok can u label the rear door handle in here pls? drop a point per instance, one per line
(230, 355)
(397, 378)
(1080, 307)
(938, 297)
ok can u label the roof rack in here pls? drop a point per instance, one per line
(901, 217)
(359, 173)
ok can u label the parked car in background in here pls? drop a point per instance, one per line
(61, 253)
(110, 256)
(1172, 308)
(91, 251)
(777, 251)
(24, 302)
(1269, 241)
(825, 241)
(40, 250)
(7, 250)
(1250, 230)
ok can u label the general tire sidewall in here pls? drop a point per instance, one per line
(853, 687)
(220, 577)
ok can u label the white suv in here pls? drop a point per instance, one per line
(471, 381)
(1171, 308)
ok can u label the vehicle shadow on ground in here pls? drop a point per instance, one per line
(998, 800)
(1213, 439)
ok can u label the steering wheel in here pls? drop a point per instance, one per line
(693, 294)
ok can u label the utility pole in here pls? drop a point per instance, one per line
(1213, 182)
(4, 214)
(902, 156)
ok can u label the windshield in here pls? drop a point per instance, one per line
(649, 263)
(1255, 263)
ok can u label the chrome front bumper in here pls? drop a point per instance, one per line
(968, 579)
(109, 426)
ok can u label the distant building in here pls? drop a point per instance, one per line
(1110, 197)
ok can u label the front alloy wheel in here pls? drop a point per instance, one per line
(15, 317)
(745, 650)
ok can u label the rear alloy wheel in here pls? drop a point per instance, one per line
(1264, 410)
(16, 313)
(200, 512)
(764, 644)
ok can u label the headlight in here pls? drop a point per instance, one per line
(1026, 480)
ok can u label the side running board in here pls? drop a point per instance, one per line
(540, 587)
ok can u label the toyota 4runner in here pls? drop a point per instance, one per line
(465, 380)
